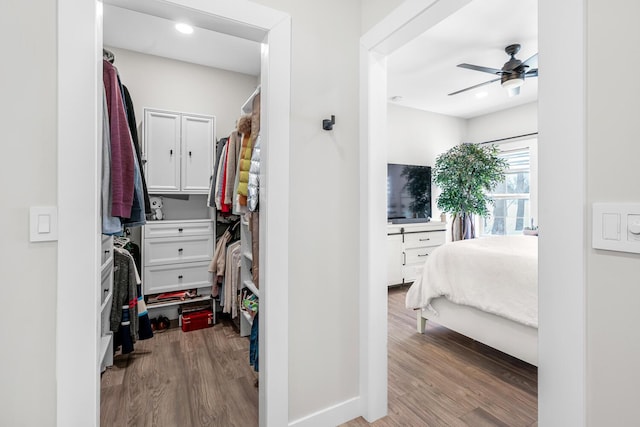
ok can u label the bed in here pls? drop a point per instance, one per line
(486, 289)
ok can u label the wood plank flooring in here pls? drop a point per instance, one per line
(197, 378)
(202, 378)
(441, 378)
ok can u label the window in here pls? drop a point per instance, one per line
(514, 198)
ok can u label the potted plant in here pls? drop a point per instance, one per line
(465, 174)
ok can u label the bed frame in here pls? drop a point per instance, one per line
(510, 337)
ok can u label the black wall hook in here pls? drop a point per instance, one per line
(328, 124)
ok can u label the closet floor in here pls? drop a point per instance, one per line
(442, 378)
(197, 378)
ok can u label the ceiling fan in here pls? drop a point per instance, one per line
(512, 73)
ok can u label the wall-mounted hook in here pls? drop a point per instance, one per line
(328, 124)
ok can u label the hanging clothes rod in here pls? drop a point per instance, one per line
(502, 140)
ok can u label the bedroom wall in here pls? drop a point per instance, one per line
(514, 121)
(613, 342)
(28, 121)
(418, 137)
(158, 82)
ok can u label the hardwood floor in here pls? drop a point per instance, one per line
(197, 378)
(202, 378)
(442, 378)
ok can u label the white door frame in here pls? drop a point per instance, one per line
(79, 136)
(562, 147)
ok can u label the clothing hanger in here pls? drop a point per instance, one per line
(120, 241)
(107, 55)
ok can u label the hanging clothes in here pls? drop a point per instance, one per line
(244, 126)
(110, 224)
(124, 312)
(133, 130)
(122, 157)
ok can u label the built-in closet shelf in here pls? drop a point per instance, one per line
(252, 287)
(107, 303)
(177, 302)
(247, 316)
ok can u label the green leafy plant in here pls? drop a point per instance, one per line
(465, 174)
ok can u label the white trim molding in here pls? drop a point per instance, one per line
(79, 139)
(331, 416)
(562, 209)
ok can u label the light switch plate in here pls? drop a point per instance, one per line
(611, 227)
(43, 223)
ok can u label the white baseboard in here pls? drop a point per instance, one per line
(331, 416)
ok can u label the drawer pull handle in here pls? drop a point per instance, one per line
(423, 255)
(106, 291)
(107, 252)
(171, 152)
(180, 250)
(189, 153)
(424, 240)
(180, 230)
(180, 276)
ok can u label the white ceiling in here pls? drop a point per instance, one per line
(148, 34)
(424, 71)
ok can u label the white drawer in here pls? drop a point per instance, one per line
(106, 315)
(107, 251)
(172, 250)
(177, 228)
(417, 255)
(106, 284)
(175, 277)
(424, 239)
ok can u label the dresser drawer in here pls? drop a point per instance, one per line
(106, 284)
(424, 239)
(177, 228)
(106, 253)
(417, 255)
(175, 277)
(172, 250)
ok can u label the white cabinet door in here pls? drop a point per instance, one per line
(162, 148)
(197, 152)
(395, 259)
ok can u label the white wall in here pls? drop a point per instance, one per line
(418, 137)
(323, 258)
(374, 10)
(613, 285)
(158, 82)
(519, 120)
(28, 122)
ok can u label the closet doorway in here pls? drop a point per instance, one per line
(561, 261)
(79, 133)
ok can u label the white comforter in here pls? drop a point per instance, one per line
(495, 274)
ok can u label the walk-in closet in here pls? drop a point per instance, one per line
(180, 291)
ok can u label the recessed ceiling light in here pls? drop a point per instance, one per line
(481, 94)
(184, 28)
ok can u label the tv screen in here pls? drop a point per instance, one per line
(408, 193)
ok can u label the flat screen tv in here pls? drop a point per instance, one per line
(408, 193)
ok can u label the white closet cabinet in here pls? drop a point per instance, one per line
(178, 151)
(176, 255)
(106, 298)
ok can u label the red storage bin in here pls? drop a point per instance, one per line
(197, 320)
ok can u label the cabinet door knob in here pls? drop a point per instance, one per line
(171, 152)
(180, 276)
(189, 153)
(107, 251)
(180, 250)
(180, 230)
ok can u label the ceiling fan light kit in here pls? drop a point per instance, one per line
(512, 74)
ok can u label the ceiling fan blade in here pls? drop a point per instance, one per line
(532, 62)
(531, 73)
(475, 86)
(479, 68)
(514, 91)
